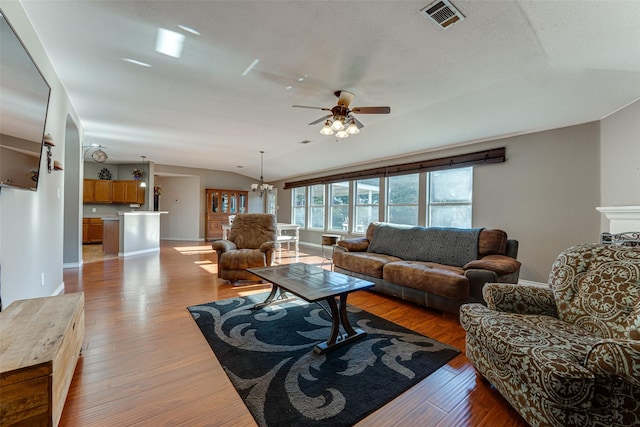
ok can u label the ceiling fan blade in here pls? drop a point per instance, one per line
(314, 108)
(372, 110)
(321, 119)
(357, 122)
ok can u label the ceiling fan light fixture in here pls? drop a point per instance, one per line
(353, 129)
(326, 129)
(342, 134)
(337, 125)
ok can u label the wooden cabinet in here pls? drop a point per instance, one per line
(221, 204)
(92, 229)
(119, 191)
(40, 341)
(128, 192)
(96, 191)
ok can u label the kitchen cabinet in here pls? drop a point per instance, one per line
(220, 205)
(92, 230)
(128, 192)
(118, 191)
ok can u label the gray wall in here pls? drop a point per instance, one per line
(544, 195)
(620, 158)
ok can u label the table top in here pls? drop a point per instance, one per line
(310, 282)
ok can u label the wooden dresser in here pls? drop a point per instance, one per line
(40, 342)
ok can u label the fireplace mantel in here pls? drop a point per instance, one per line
(622, 218)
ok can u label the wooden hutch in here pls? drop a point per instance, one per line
(220, 205)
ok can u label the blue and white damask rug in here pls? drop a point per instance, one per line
(269, 356)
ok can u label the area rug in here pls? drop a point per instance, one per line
(269, 356)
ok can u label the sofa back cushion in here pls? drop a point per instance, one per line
(449, 246)
(492, 242)
(249, 231)
(597, 287)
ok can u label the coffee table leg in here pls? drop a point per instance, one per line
(338, 316)
(271, 298)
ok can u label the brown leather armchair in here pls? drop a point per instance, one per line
(251, 243)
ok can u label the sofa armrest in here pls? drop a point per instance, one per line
(620, 358)
(359, 244)
(223, 246)
(520, 298)
(500, 264)
(267, 246)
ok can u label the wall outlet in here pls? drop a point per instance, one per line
(42, 279)
(93, 209)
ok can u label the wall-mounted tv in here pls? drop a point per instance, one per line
(24, 101)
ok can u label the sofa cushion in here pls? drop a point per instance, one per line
(450, 246)
(354, 245)
(597, 287)
(492, 241)
(438, 279)
(363, 262)
(499, 264)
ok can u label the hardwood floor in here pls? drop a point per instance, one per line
(145, 362)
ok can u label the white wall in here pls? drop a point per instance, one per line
(31, 223)
(620, 158)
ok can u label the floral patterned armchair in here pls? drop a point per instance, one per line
(567, 354)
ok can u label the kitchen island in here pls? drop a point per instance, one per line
(139, 232)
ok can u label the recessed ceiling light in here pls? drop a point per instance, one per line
(250, 67)
(301, 78)
(189, 29)
(288, 87)
(133, 61)
(169, 43)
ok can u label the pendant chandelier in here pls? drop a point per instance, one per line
(261, 187)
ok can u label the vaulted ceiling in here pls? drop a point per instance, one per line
(509, 67)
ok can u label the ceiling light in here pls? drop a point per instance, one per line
(342, 134)
(189, 29)
(353, 129)
(169, 43)
(133, 61)
(261, 187)
(326, 129)
(337, 125)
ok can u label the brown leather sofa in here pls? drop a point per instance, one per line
(440, 268)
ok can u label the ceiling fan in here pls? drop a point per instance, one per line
(341, 120)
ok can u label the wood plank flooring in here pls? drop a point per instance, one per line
(145, 362)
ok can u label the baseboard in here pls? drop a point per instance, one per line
(72, 264)
(59, 290)
(140, 252)
(184, 239)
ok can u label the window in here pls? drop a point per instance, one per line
(316, 206)
(367, 203)
(450, 198)
(402, 199)
(339, 206)
(299, 206)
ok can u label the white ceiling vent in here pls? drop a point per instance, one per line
(443, 13)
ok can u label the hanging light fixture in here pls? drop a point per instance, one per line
(143, 183)
(326, 129)
(261, 187)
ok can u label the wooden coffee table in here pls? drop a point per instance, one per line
(314, 284)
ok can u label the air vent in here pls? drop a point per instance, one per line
(443, 13)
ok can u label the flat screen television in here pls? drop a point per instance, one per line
(24, 102)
